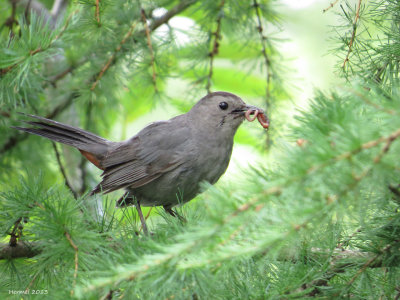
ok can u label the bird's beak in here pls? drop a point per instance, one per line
(245, 108)
(253, 109)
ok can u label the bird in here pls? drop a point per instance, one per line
(163, 164)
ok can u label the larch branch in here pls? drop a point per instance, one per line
(267, 60)
(215, 45)
(152, 60)
(353, 35)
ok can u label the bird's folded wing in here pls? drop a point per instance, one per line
(157, 149)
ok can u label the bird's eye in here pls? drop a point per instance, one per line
(223, 105)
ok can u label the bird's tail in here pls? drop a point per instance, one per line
(92, 146)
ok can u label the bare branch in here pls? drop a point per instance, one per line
(40, 49)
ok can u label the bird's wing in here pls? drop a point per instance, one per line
(155, 150)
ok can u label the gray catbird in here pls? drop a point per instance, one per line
(165, 162)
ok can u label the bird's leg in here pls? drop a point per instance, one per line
(174, 213)
(142, 220)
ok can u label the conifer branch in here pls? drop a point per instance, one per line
(153, 26)
(388, 139)
(267, 60)
(215, 45)
(152, 60)
(64, 174)
(353, 35)
(340, 261)
(73, 245)
(40, 48)
(331, 5)
(18, 137)
(53, 80)
(373, 104)
(15, 139)
(111, 59)
(369, 263)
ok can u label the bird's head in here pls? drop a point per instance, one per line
(224, 112)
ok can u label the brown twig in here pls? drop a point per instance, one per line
(112, 57)
(353, 35)
(97, 13)
(332, 4)
(152, 60)
(215, 45)
(64, 174)
(71, 242)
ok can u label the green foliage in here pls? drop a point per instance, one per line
(318, 217)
